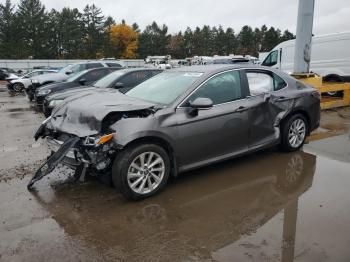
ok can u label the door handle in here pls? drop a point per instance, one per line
(282, 98)
(241, 109)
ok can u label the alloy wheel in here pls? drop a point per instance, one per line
(297, 133)
(146, 172)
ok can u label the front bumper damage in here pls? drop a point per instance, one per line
(80, 154)
(53, 161)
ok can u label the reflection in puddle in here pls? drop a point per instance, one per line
(197, 214)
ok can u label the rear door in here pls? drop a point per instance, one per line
(265, 103)
(216, 132)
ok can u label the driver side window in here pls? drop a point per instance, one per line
(223, 88)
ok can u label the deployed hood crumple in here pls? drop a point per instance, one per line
(82, 114)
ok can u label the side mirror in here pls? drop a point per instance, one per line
(200, 103)
(267, 97)
(119, 85)
(68, 72)
(82, 81)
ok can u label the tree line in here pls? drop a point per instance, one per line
(29, 30)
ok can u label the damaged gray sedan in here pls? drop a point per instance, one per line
(177, 121)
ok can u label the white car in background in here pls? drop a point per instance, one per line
(22, 82)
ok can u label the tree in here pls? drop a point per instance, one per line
(8, 39)
(70, 35)
(287, 36)
(124, 41)
(188, 42)
(93, 22)
(176, 46)
(154, 40)
(272, 38)
(231, 42)
(31, 18)
(107, 46)
(246, 41)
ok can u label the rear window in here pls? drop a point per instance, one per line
(113, 65)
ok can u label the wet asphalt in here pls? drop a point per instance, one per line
(268, 206)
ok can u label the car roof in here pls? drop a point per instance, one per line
(127, 70)
(207, 69)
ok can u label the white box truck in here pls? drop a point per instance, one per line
(330, 57)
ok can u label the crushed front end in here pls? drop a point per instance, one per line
(93, 153)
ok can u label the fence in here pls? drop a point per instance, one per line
(31, 63)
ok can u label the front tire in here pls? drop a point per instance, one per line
(293, 132)
(18, 87)
(141, 171)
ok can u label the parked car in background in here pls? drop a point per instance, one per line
(123, 80)
(330, 56)
(231, 60)
(21, 83)
(64, 74)
(84, 78)
(7, 72)
(176, 121)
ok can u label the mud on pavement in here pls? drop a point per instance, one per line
(268, 206)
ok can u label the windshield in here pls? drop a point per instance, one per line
(108, 80)
(64, 69)
(164, 88)
(74, 77)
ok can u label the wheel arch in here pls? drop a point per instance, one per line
(298, 111)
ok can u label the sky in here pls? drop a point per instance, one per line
(331, 16)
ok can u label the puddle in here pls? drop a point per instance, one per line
(264, 207)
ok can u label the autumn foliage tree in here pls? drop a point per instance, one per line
(124, 41)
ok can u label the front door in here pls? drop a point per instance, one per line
(216, 132)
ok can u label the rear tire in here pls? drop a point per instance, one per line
(141, 171)
(293, 132)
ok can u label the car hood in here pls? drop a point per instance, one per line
(63, 94)
(11, 76)
(54, 77)
(57, 86)
(82, 114)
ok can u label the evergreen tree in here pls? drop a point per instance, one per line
(70, 34)
(107, 47)
(231, 42)
(246, 41)
(188, 43)
(93, 22)
(8, 36)
(272, 38)
(31, 18)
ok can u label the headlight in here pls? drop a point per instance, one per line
(99, 140)
(54, 103)
(35, 81)
(44, 92)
